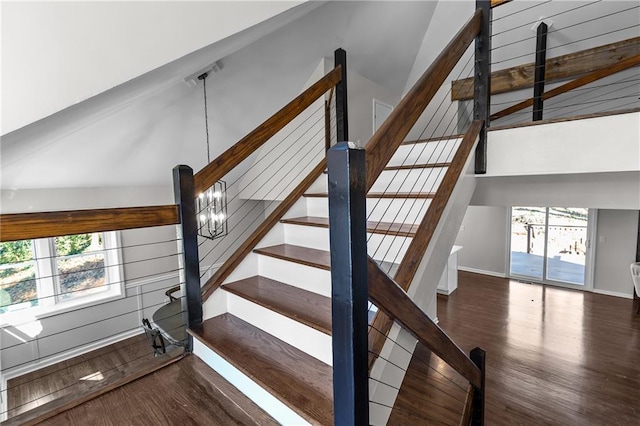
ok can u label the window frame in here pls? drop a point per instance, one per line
(47, 284)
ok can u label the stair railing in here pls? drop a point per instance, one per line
(389, 295)
(299, 132)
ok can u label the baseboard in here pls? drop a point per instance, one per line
(613, 293)
(45, 362)
(482, 271)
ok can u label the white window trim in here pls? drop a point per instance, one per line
(50, 305)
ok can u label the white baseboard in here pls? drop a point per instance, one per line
(482, 271)
(11, 373)
(613, 293)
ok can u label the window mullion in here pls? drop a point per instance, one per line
(45, 271)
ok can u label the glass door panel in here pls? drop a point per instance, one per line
(567, 244)
(528, 241)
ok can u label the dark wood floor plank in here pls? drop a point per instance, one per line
(303, 306)
(303, 255)
(185, 393)
(300, 381)
(387, 228)
(554, 356)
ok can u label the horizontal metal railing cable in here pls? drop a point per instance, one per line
(314, 149)
(588, 21)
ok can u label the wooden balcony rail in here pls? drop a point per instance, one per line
(226, 162)
(24, 226)
(409, 265)
(394, 130)
(558, 68)
(631, 62)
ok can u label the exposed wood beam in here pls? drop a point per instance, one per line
(584, 80)
(558, 68)
(24, 226)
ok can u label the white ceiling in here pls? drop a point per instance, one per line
(136, 133)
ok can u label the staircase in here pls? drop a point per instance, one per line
(267, 328)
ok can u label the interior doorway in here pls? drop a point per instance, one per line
(552, 245)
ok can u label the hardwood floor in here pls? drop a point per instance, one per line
(187, 392)
(52, 388)
(554, 356)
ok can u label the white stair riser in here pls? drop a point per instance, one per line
(270, 404)
(414, 180)
(305, 277)
(382, 247)
(320, 184)
(425, 153)
(395, 210)
(296, 334)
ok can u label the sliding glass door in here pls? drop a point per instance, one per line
(549, 244)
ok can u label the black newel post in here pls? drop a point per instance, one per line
(184, 195)
(342, 123)
(348, 242)
(478, 356)
(482, 83)
(538, 75)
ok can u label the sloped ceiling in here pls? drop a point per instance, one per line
(111, 140)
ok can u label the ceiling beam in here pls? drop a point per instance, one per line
(558, 68)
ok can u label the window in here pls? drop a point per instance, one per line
(53, 273)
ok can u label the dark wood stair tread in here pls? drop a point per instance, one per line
(303, 306)
(387, 228)
(417, 166)
(303, 255)
(381, 194)
(300, 381)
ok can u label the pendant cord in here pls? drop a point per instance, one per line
(203, 77)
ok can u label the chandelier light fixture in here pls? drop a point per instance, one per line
(211, 205)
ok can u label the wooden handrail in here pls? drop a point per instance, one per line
(395, 303)
(496, 3)
(394, 130)
(409, 265)
(219, 167)
(24, 226)
(234, 260)
(558, 68)
(578, 82)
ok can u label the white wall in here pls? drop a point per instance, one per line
(483, 237)
(56, 54)
(615, 250)
(600, 144)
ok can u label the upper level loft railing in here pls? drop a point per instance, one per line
(74, 287)
(586, 61)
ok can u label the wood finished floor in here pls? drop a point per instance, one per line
(554, 357)
(78, 376)
(184, 393)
